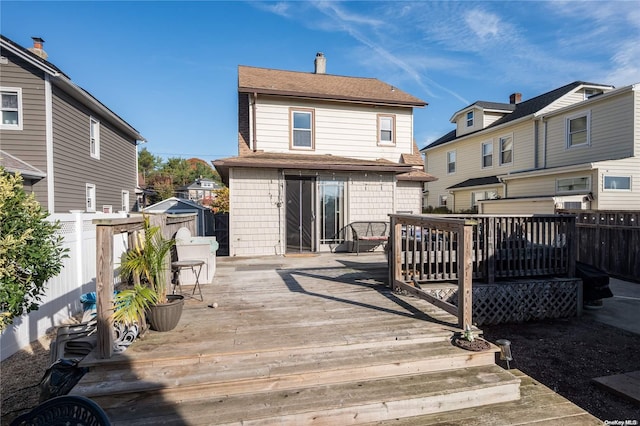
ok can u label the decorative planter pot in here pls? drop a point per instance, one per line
(165, 316)
(478, 344)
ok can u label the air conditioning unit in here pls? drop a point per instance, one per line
(107, 209)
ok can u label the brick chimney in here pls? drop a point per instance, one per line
(37, 48)
(515, 98)
(320, 63)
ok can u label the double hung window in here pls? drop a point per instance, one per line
(302, 129)
(94, 137)
(506, 150)
(578, 127)
(451, 162)
(386, 129)
(487, 154)
(11, 108)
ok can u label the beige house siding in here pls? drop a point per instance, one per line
(255, 223)
(546, 184)
(611, 132)
(371, 197)
(27, 144)
(636, 120)
(618, 199)
(409, 197)
(469, 160)
(340, 129)
(74, 167)
(491, 117)
(527, 206)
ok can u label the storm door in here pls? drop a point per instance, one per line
(300, 214)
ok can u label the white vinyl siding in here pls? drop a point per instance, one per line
(611, 128)
(617, 199)
(11, 108)
(340, 130)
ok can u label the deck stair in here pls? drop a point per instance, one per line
(340, 384)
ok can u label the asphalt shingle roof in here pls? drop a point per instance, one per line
(322, 86)
(522, 109)
(487, 180)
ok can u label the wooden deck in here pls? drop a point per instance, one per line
(313, 340)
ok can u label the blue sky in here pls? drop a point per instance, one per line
(170, 68)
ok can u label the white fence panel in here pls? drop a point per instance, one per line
(62, 297)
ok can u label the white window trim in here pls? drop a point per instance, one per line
(95, 153)
(490, 143)
(469, 120)
(311, 112)
(19, 126)
(567, 127)
(604, 188)
(455, 162)
(392, 142)
(513, 146)
(90, 188)
(440, 198)
(124, 200)
(574, 191)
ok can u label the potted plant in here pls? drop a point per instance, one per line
(146, 263)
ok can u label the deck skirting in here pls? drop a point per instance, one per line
(518, 300)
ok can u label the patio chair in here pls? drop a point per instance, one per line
(196, 248)
(65, 410)
(372, 234)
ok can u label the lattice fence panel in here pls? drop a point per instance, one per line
(519, 301)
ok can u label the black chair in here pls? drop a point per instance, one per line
(64, 410)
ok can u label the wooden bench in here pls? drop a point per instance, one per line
(371, 233)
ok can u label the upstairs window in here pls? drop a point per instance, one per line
(578, 130)
(470, 119)
(506, 150)
(302, 129)
(386, 129)
(11, 108)
(94, 137)
(487, 154)
(451, 162)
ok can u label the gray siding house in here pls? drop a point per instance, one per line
(73, 151)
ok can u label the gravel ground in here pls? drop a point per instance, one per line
(562, 354)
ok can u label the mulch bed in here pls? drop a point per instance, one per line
(565, 354)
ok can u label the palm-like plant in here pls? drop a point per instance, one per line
(147, 262)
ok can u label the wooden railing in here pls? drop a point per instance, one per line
(423, 248)
(105, 230)
(458, 248)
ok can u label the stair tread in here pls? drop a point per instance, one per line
(284, 368)
(364, 400)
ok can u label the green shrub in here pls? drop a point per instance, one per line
(30, 251)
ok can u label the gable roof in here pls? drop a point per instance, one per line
(522, 109)
(322, 86)
(63, 81)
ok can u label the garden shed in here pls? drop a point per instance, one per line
(204, 223)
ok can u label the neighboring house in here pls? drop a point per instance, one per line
(73, 151)
(199, 190)
(316, 152)
(577, 146)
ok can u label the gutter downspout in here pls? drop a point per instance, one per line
(536, 143)
(48, 112)
(253, 121)
(544, 146)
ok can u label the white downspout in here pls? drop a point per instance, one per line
(48, 112)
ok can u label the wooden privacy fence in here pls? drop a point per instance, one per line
(609, 240)
(419, 241)
(105, 230)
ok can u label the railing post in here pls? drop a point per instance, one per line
(572, 240)
(104, 289)
(465, 275)
(490, 252)
(397, 252)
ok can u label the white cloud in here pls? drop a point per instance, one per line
(483, 24)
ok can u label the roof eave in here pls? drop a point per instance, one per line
(335, 98)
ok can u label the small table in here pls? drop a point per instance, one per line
(196, 268)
